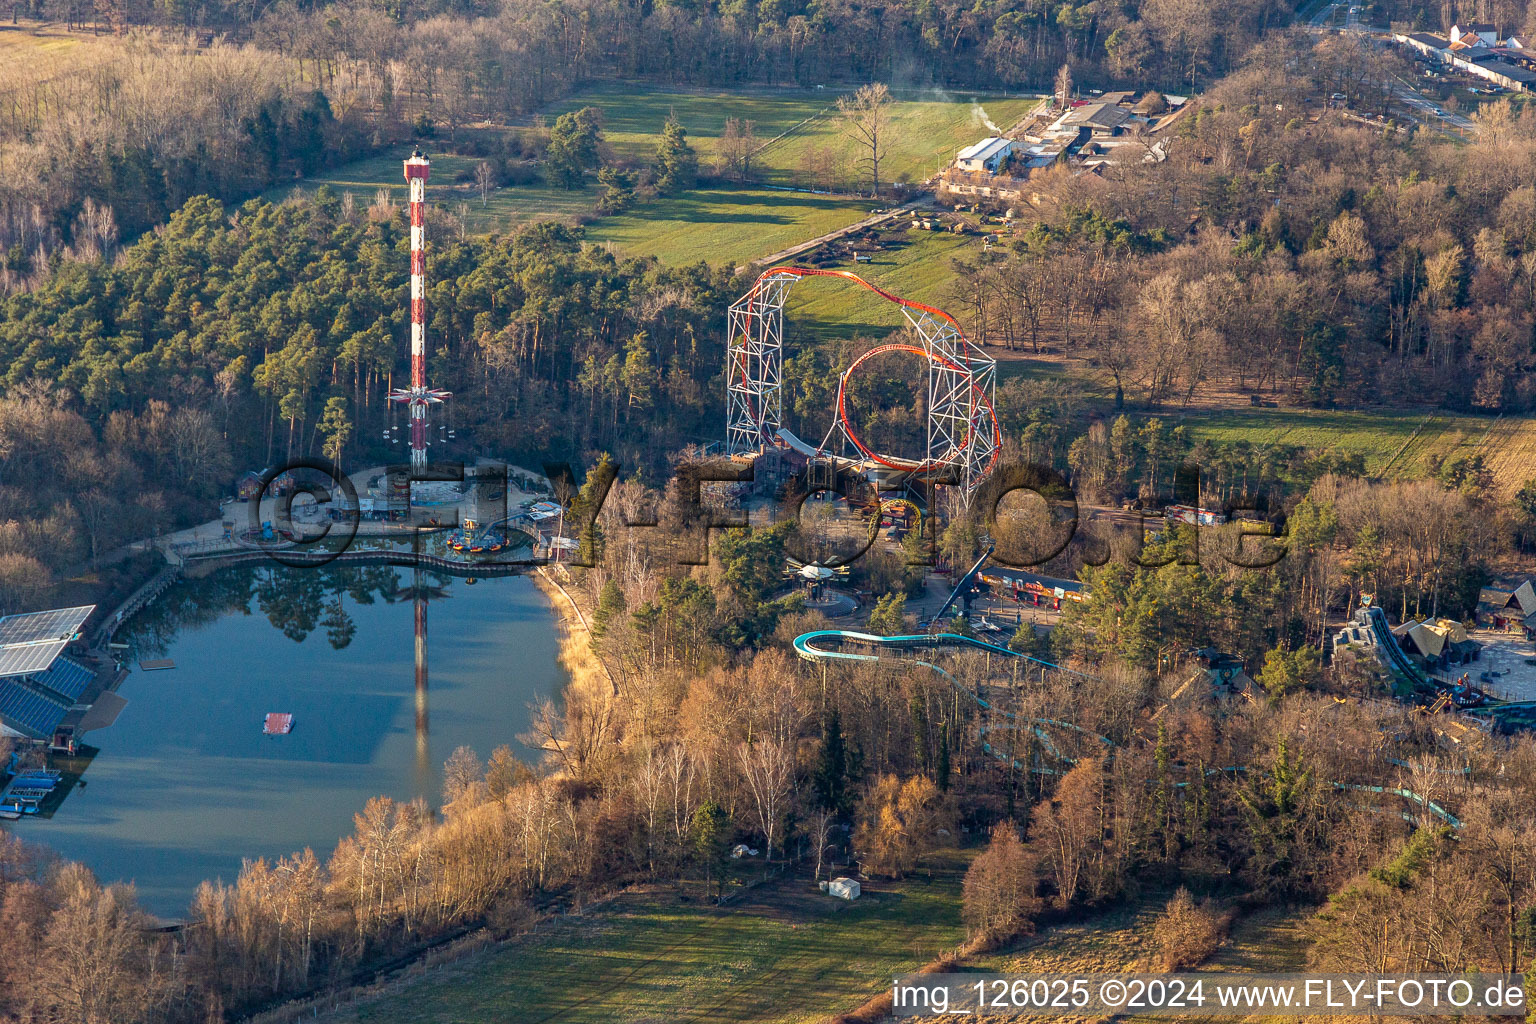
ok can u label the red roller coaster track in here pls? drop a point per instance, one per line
(752, 400)
(911, 465)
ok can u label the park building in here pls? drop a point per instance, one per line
(1438, 642)
(1508, 605)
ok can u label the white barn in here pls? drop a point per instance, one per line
(987, 155)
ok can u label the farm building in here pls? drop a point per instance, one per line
(1477, 50)
(987, 155)
(1101, 119)
(1431, 46)
(1498, 67)
(1473, 33)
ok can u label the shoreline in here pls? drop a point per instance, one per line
(587, 676)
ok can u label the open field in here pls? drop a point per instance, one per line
(34, 54)
(1378, 436)
(720, 224)
(919, 269)
(714, 225)
(19, 42)
(452, 183)
(1118, 941)
(783, 952)
(1509, 451)
(1396, 444)
(726, 226)
(926, 128)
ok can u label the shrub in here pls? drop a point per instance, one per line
(1187, 932)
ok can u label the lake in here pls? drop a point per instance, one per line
(186, 784)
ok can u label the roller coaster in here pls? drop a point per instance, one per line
(964, 438)
(827, 644)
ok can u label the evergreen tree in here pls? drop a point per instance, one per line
(831, 780)
(336, 427)
(618, 191)
(574, 144)
(889, 616)
(1288, 671)
(676, 166)
(941, 769)
(1026, 641)
(709, 835)
(610, 605)
(918, 711)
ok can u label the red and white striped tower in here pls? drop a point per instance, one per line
(418, 396)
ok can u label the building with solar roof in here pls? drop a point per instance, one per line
(39, 683)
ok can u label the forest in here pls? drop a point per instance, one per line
(231, 99)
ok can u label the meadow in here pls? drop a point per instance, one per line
(919, 268)
(1396, 444)
(926, 128)
(718, 223)
(782, 952)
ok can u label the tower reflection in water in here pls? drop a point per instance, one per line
(422, 590)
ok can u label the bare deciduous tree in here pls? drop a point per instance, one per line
(867, 124)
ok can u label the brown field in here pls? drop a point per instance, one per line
(33, 54)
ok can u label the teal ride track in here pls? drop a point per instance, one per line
(817, 646)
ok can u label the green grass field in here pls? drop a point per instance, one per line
(925, 136)
(725, 225)
(715, 224)
(919, 270)
(451, 185)
(1395, 444)
(783, 953)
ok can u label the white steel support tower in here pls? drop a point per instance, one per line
(418, 396)
(962, 385)
(755, 372)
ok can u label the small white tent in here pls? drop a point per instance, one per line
(843, 888)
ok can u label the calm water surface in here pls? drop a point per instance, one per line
(186, 784)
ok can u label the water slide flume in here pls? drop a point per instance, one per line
(821, 644)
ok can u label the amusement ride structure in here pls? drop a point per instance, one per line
(963, 435)
(418, 396)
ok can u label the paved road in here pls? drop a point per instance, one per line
(1429, 112)
(1321, 18)
(1420, 110)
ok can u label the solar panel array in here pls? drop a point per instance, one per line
(28, 711)
(29, 642)
(67, 677)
